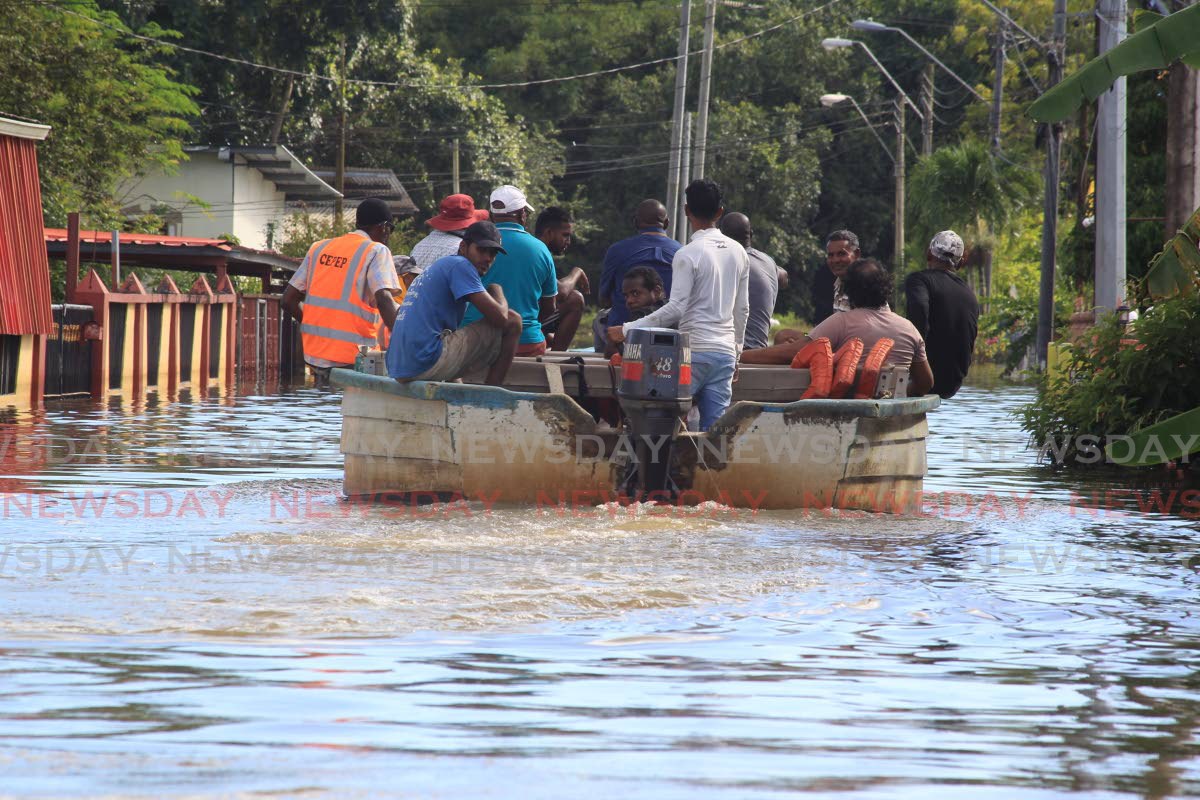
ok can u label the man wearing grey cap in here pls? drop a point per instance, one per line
(944, 310)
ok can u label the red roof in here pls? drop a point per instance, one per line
(24, 268)
(96, 237)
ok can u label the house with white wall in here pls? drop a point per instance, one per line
(239, 190)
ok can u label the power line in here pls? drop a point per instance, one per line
(571, 171)
(410, 85)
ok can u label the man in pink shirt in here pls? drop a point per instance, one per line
(868, 286)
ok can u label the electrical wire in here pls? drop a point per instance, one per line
(411, 85)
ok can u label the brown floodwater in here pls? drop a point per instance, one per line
(190, 609)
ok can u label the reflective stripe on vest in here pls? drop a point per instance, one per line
(334, 333)
(336, 320)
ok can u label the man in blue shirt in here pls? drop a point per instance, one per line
(652, 247)
(427, 342)
(524, 269)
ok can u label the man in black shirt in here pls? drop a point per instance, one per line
(944, 309)
(841, 250)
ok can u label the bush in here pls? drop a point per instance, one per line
(1008, 331)
(1116, 381)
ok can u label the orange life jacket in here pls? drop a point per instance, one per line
(872, 367)
(336, 320)
(817, 358)
(845, 366)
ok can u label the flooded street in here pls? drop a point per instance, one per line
(190, 609)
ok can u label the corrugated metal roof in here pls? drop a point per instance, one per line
(170, 252)
(278, 165)
(24, 268)
(96, 237)
(360, 182)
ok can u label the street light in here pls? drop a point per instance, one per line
(833, 43)
(872, 25)
(831, 100)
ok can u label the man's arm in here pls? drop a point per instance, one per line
(920, 379)
(387, 307)
(549, 302)
(575, 280)
(290, 302)
(741, 303)
(492, 305)
(779, 354)
(296, 289)
(916, 298)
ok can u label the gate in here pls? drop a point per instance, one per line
(10, 355)
(187, 335)
(68, 354)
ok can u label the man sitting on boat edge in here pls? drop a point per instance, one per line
(524, 269)
(868, 286)
(427, 342)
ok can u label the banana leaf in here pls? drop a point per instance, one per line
(1177, 268)
(1156, 46)
(1170, 440)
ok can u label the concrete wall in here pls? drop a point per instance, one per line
(258, 203)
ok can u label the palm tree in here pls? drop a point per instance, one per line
(966, 188)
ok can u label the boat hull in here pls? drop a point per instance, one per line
(498, 446)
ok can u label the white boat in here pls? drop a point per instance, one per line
(533, 442)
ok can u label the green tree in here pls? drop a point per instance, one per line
(113, 108)
(965, 188)
(402, 106)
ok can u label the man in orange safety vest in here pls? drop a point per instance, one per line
(346, 284)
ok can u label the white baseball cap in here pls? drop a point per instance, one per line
(507, 200)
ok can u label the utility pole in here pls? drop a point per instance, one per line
(1183, 143)
(685, 157)
(998, 58)
(1110, 170)
(115, 255)
(454, 165)
(277, 126)
(676, 155)
(898, 258)
(926, 101)
(340, 177)
(1055, 55)
(710, 17)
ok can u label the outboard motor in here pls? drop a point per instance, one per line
(655, 391)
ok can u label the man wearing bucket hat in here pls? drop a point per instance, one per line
(944, 310)
(525, 270)
(456, 213)
(428, 343)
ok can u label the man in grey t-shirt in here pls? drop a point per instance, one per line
(764, 280)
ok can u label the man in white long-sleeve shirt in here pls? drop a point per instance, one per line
(709, 302)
